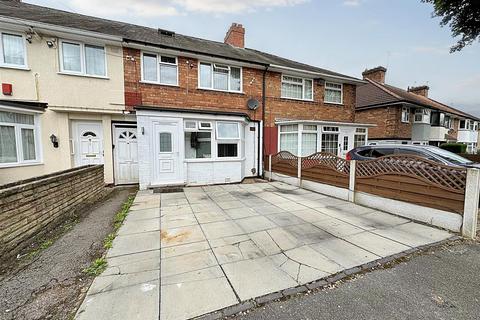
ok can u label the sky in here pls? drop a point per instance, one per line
(346, 36)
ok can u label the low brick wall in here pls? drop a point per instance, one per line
(31, 207)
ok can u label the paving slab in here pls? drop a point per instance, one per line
(185, 254)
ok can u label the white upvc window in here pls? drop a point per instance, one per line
(333, 93)
(330, 139)
(78, 58)
(221, 77)
(228, 139)
(13, 50)
(405, 114)
(289, 138)
(19, 138)
(159, 69)
(297, 88)
(309, 139)
(360, 137)
(422, 116)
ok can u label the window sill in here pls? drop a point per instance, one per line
(221, 91)
(295, 99)
(334, 103)
(23, 164)
(83, 75)
(159, 84)
(23, 68)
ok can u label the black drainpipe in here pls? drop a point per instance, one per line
(264, 102)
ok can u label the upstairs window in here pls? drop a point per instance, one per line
(82, 59)
(405, 114)
(297, 88)
(220, 77)
(159, 69)
(333, 93)
(12, 49)
(422, 116)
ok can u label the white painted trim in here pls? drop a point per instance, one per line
(83, 61)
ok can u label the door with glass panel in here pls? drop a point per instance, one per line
(126, 155)
(88, 143)
(167, 165)
(330, 140)
(345, 144)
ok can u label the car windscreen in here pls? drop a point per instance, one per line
(449, 156)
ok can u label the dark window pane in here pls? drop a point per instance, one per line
(227, 150)
(380, 152)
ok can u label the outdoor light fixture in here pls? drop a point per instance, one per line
(54, 140)
(143, 131)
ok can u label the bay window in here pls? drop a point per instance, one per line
(18, 138)
(198, 145)
(228, 138)
(12, 50)
(82, 59)
(297, 88)
(159, 69)
(220, 77)
(309, 139)
(289, 138)
(422, 116)
(333, 93)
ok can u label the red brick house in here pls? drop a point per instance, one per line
(410, 116)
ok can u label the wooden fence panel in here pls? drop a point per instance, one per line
(326, 168)
(415, 180)
(285, 163)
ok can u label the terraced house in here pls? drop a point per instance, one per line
(411, 116)
(157, 107)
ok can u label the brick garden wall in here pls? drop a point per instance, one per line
(31, 207)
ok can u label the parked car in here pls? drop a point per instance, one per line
(428, 152)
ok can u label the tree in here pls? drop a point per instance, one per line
(463, 18)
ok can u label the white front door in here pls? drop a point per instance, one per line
(126, 155)
(88, 143)
(345, 144)
(168, 165)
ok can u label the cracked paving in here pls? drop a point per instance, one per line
(181, 255)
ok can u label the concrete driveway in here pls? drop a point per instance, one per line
(182, 255)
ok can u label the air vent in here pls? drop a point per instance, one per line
(164, 32)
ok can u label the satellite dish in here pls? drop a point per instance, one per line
(252, 104)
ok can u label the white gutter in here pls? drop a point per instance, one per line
(54, 28)
(318, 74)
(324, 122)
(88, 110)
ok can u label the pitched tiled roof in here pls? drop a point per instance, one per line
(376, 94)
(136, 33)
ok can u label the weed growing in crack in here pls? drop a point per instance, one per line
(96, 267)
(108, 242)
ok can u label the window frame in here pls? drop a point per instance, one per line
(426, 115)
(360, 132)
(282, 81)
(212, 65)
(159, 62)
(83, 61)
(334, 89)
(25, 54)
(18, 138)
(406, 112)
(219, 140)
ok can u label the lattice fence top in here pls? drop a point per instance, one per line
(285, 156)
(442, 176)
(328, 160)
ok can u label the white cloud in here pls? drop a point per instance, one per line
(351, 3)
(157, 8)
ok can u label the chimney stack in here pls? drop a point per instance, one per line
(376, 74)
(235, 36)
(421, 90)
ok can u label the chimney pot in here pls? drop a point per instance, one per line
(376, 74)
(235, 35)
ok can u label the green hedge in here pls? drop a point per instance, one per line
(454, 147)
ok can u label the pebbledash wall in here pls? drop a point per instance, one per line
(31, 207)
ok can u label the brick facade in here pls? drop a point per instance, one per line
(388, 122)
(34, 206)
(187, 95)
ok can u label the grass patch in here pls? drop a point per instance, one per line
(97, 267)
(107, 243)
(118, 222)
